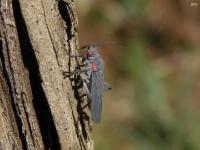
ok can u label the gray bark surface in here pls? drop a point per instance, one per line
(39, 109)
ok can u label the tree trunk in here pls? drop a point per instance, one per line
(39, 109)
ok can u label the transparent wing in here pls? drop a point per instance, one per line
(96, 91)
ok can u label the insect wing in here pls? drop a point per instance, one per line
(96, 91)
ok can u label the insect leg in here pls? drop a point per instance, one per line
(68, 74)
(73, 56)
(86, 105)
(88, 94)
(87, 90)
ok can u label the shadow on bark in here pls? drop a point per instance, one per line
(83, 117)
(43, 113)
(16, 115)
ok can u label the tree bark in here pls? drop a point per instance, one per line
(39, 109)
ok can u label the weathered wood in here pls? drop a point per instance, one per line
(17, 78)
(9, 134)
(38, 109)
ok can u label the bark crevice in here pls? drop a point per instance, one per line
(39, 109)
(68, 17)
(14, 106)
(65, 12)
(40, 103)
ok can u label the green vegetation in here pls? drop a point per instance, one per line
(155, 103)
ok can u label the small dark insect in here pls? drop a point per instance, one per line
(93, 80)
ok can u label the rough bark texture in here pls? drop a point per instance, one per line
(39, 109)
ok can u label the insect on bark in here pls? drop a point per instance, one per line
(93, 70)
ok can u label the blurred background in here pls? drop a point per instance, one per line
(152, 58)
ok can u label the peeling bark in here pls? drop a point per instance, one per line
(39, 109)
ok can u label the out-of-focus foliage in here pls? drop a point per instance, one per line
(134, 8)
(154, 70)
(157, 125)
